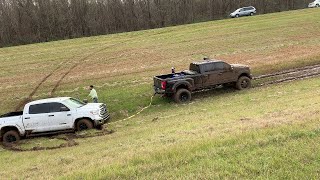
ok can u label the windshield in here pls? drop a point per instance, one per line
(73, 103)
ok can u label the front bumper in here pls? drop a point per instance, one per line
(102, 120)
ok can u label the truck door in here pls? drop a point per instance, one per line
(226, 74)
(59, 117)
(214, 74)
(36, 119)
(206, 70)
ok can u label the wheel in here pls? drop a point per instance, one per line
(11, 136)
(84, 124)
(182, 96)
(317, 5)
(243, 83)
(99, 127)
(237, 15)
(251, 14)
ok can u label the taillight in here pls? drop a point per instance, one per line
(163, 85)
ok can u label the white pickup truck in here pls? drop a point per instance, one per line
(52, 115)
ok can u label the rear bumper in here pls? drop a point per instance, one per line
(159, 91)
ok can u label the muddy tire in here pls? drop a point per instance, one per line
(243, 83)
(10, 137)
(99, 127)
(84, 124)
(182, 96)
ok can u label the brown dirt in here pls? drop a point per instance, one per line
(69, 138)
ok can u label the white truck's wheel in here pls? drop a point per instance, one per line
(11, 136)
(84, 124)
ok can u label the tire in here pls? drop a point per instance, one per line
(251, 14)
(11, 136)
(182, 96)
(237, 15)
(99, 127)
(243, 83)
(317, 5)
(84, 124)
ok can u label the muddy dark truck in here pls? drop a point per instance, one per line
(206, 74)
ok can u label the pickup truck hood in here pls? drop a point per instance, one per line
(91, 106)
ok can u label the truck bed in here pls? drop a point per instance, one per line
(10, 114)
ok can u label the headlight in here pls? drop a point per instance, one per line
(96, 112)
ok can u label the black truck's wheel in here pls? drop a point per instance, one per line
(182, 96)
(11, 136)
(84, 124)
(243, 83)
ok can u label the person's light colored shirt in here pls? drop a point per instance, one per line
(93, 93)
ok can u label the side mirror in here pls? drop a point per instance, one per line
(64, 108)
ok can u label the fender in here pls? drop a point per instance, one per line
(185, 83)
(21, 130)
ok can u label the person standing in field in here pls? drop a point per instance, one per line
(93, 94)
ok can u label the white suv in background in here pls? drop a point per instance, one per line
(245, 11)
(315, 3)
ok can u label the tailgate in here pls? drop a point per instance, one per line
(157, 82)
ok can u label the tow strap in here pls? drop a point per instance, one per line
(132, 116)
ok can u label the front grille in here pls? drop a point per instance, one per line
(104, 112)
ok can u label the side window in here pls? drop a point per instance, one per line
(209, 67)
(39, 108)
(219, 66)
(56, 107)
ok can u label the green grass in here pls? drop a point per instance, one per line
(269, 132)
(266, 132)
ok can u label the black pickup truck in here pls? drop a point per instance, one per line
(202, 75)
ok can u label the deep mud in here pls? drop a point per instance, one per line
(288, 75)
(70, 140)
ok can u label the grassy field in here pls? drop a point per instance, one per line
(122, 65)
(269, 132)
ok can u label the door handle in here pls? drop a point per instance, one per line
(220, 73)
(68, 114)
(51, 115)
(27, 118)
(62, 123)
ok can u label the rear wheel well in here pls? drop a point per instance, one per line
(8, 128)
(182, 86)
(78, 119)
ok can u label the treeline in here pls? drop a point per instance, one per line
(30, 21)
